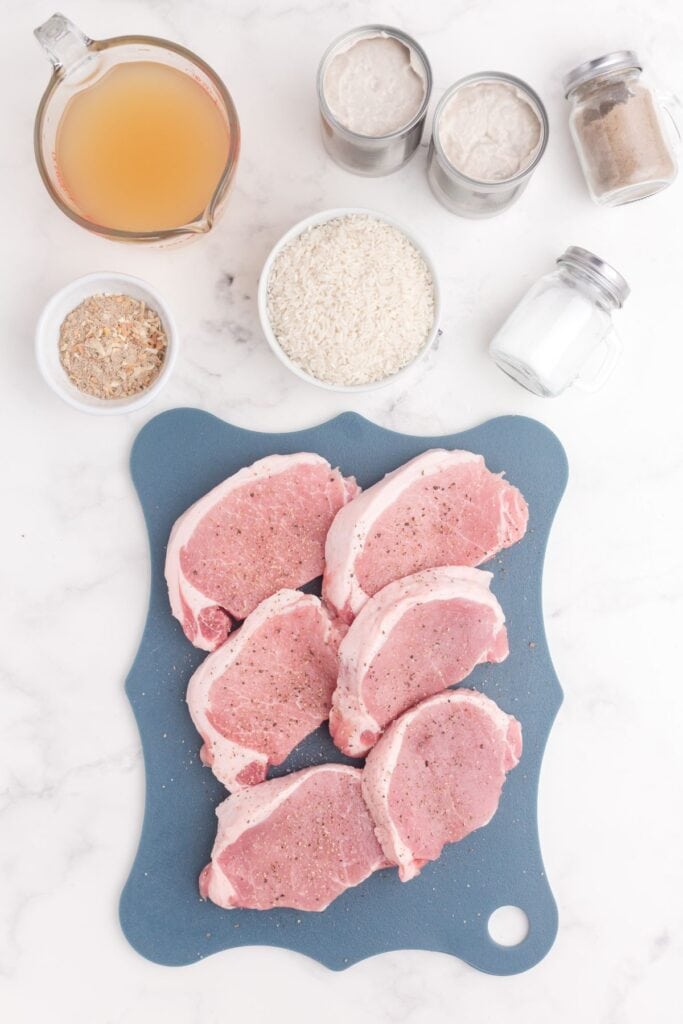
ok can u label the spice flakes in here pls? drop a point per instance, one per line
(112, 346)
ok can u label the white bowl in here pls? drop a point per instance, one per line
(322, 218)
(47, 341)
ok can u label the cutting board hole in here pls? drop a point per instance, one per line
(508, 926)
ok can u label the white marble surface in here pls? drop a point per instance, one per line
(76, 571)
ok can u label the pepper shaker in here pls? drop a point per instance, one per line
(619, 127)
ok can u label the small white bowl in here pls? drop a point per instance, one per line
(47, 341)
(322, 218)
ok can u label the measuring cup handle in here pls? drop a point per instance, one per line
(593, 382)
(63, 42)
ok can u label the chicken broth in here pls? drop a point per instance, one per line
(143, 149)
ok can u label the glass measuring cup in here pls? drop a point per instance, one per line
(78, 63)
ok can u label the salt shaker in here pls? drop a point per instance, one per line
(561, 332)
(619, 127)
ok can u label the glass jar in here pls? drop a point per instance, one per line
(618, 127)
(561, 331)
(469, 196)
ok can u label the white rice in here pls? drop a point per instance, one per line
(351, 301)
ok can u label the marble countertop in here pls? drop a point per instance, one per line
(75, 588)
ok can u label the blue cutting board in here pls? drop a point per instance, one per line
(177, 457)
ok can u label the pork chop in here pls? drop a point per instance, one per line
(298, 841)
(259, 531)
(266, 688)
(437, 774)
(441, 508)
(414, 638)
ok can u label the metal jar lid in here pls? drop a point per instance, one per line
(619, 60)
(603, 273)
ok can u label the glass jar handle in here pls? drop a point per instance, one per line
(63, 42)
(673, 108)
(591, 382)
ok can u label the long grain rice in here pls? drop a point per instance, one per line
(351, 300)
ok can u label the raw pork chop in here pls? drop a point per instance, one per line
(298, 841)
(260, 530)
(414, 638)
(265, 688)
(441, 508)
(437, 774)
